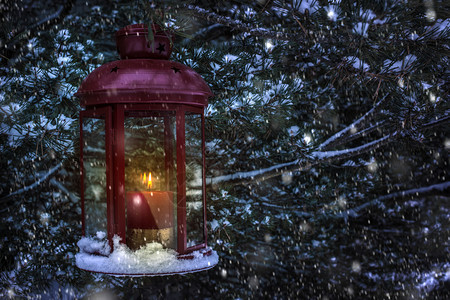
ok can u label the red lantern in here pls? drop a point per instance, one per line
(142, 153)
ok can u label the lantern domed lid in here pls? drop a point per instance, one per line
(143, 75)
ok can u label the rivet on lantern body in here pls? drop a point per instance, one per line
(144, 121)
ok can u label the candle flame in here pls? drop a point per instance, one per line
(147, 181)
(149, 184)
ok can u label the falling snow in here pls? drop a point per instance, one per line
(326, 151)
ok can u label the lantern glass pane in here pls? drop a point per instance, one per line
(94, 173)
(194, 181)
(150, 178)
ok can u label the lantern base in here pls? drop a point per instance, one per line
(150, 260)
(149, 274)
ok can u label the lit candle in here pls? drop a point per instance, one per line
(149, 216)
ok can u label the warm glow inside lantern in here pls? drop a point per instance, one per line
(142, 154)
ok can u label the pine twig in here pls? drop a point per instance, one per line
(238, 25)
(301, 26)
(375, 96)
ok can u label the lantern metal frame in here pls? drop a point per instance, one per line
(114, 117)
(150, 84)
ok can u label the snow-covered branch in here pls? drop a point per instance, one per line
(240, 26)
(354, 127)
(439, 188)
(35, 184)
(63, 189)
(253, 174)
(320, 156)
(362, 133)
(314, 158)
(435, 189)
(346, 153)
(437, 122)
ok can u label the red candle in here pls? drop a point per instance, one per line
(150, 210)
(149, 218)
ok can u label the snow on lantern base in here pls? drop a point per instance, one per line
(150, 260)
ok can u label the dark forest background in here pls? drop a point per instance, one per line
(330, 119)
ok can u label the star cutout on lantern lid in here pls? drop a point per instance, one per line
(114, 69)
(175, 69)
(161, 48)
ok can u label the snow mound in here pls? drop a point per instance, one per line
(150, 260)
(97, 245)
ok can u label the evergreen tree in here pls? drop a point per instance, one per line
(327, 144)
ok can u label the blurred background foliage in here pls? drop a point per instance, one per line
(286, 75)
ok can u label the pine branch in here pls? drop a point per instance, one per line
(62, 188)
(327, 156)
(238, 25)
(435, 189)
(437, 122)
(33, 185)
(338, 138)
(42, 25)
(304, 164)
(364, 132)
(211, 32)
(277, 169)
(318, 156)
(442, 188)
